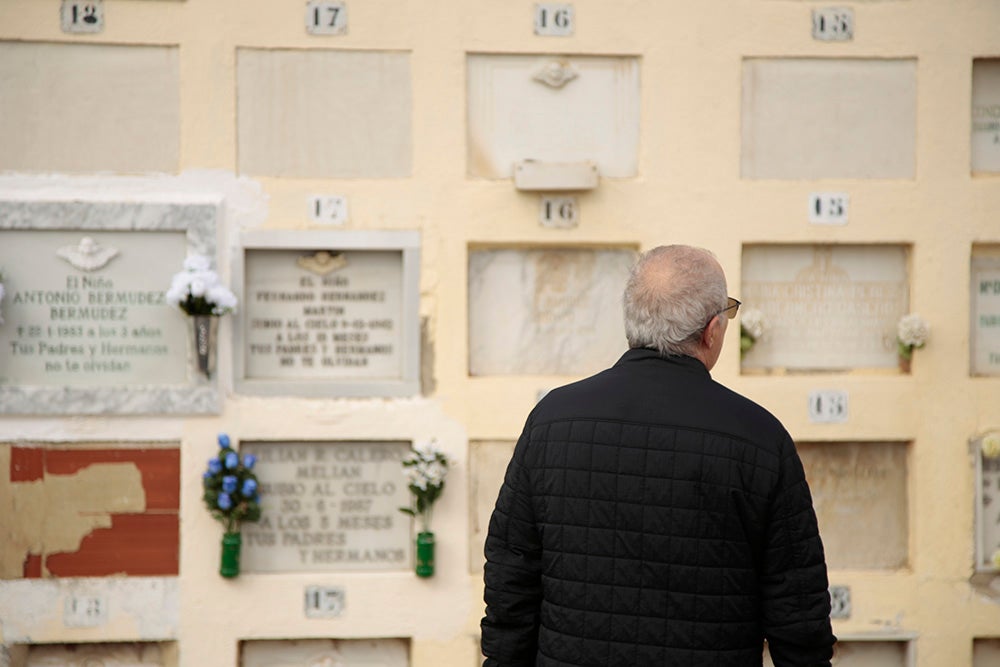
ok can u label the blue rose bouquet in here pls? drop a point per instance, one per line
(231, 489)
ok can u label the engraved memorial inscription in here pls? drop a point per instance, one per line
(328, 506)
(827, 307)
(89, 310)
(323, 314)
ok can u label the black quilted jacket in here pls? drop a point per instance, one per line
(650, 516)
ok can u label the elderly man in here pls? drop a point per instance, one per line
(649, 515)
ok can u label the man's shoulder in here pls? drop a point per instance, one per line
(670, 395)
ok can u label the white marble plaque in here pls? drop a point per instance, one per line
(987, 511)
(985, 325)
(552, 109)
(73, 319)
(104, 654)
(487, 467)
(827, 308)
(89, 107)
(86, 328)
(323, 652)
(829, 118)
(985, 148)
(859, 492)
(867, 653)
(553, 311)
(329, 313)
(324, 113)
(320, 314)
(329, 506)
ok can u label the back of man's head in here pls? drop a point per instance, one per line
(672, 293)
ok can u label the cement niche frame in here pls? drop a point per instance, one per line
(350, 242)
(197, 219)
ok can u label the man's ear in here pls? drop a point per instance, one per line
(709, 333)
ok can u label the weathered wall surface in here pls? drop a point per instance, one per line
(710, 123)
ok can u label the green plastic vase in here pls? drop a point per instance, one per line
(425, 554)
(231, 544)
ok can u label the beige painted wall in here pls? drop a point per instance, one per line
(688, 189)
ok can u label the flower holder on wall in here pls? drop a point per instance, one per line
(229, 565)
(197, 291)
(425, 554)
(230, 494)
(426, 467)
(205, 329)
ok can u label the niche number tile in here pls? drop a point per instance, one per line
(828, 208)
(328, 209)
(833, 24)
(85, 611)
(554, 20)
(559, 212)
(79, 16)
(324, 601)
(326, 18)
(828, 406)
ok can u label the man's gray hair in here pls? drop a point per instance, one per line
(672, 293)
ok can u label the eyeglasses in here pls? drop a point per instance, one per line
(732, 307)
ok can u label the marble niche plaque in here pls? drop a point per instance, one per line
(552, 109)
(334, 315)
(323, 652)
(985, 140)
(320, 113)
(89, 107)
(86, 328)
(329, 506)
(859, 490)
(987, 510)
(123, 654)
(487, 466)
(805, 118)
(553, 311)
(826, 307)
(866, 653)
(985, 311)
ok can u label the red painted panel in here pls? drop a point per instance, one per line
(33, 566)
(27, 464)
(160, 469)
(138, 545)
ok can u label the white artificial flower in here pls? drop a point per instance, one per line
(991, 445)
(198, 288)
(224, 301)
(913, 330)
(753, 321)
(197, 263)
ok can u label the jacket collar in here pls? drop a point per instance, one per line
(649, 355)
